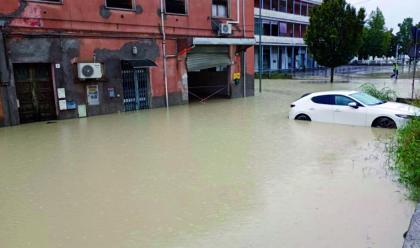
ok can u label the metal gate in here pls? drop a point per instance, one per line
(136, 88)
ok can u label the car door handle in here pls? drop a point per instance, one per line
(312, 109)
(337, 110)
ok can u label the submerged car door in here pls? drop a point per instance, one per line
(322, 108)
(344, 114)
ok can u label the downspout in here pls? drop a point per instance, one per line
(244, 52)
(165, 69)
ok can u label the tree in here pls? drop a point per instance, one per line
(392, 48)
(334, 35)
(404, 35)
(376, 38)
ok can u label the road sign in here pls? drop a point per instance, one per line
(415, 31)
(412, 52)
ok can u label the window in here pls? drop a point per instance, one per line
(290, 6)
(366, 99)
(290, 29)
(120, 4)
(325, 99)
(266, 58)
(303, 30)
(257, 26)
(342, 100)
(275, 5)
(266, 4)
(283, 4)
(220, 8)
(297, 33)
(274, 29)
(297, 7)
(304, 9)
(266, 28)
(283, 28)
(175, 6)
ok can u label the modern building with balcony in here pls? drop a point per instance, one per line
(284, 23)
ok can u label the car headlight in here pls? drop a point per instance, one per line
(405, 116)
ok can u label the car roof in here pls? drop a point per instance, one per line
(334, 92)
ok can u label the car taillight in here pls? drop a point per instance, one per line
(292, 106)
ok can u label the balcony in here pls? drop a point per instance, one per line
(275, 40)
(283, 16)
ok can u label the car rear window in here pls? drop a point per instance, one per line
(325, 99)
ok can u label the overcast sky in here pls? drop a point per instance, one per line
(394, 10)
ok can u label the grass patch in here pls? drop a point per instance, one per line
(274, 75)
(406, 155)
(384, 94)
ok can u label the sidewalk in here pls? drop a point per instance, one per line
(412, 240)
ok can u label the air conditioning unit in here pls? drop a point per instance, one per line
(89, 70)
(225, 28)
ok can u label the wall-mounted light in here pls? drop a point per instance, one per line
(135, 50)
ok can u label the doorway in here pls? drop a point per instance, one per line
(34, 92)
(135, 87)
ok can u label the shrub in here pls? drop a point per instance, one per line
(274, 75)
(406, 153)
(384, 94)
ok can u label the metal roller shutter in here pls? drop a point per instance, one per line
(204, 57)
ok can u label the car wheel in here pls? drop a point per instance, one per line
(303, 117)
(384, 122)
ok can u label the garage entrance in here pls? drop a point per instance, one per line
(208, 72)
(35, 92)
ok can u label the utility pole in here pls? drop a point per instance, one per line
(415, 62)
(260, 53)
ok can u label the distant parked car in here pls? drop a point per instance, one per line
(351, 108)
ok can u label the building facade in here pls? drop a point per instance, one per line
(64, 59)
(284, 23)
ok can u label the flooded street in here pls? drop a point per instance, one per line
(228, 173)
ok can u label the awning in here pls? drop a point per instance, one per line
(224, 41)
(139, 63)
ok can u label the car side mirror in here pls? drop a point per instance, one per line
(353, 105)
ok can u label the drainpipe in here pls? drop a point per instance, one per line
(260, 52)
(165, 69)
(244, 52)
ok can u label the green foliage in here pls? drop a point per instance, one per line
(275, 75)
(384, 94)
(376, 38)
(404, 35)
(392, 48)
(334, 35)
(406, 152)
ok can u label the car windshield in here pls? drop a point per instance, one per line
(366, 99)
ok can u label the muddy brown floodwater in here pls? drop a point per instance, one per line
(229, 173)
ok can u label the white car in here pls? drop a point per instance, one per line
(351, 108)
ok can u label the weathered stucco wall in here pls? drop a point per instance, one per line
(145, 19)
(83, 31)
